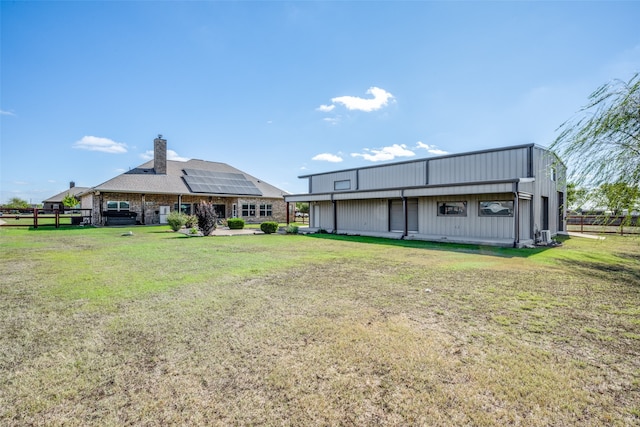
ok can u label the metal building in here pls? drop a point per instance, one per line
(512, 196)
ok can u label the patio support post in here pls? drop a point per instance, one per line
(287, 213)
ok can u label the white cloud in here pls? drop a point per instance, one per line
(105, 145)
(327, 157)
(325, 108)
(385, 153)
(380, 99)
(332, 120)
(171, 155)
(431, 149)
(6, 113)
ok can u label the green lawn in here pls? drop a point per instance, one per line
(158, 328)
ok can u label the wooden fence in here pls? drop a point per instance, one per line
(603, 224)
(35, 217)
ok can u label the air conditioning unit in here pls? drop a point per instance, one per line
(545, 236)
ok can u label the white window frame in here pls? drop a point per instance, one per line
(344, 184)
(250, 210)
(121, 205)
(266, 209)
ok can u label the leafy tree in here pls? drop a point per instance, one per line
(602, 144)
(577, 196)
(302, 207)
(70, 201)
(207, 217)
(17, 203)
(618, 197)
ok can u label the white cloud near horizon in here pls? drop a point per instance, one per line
(104, 145)
(431, 149)
(385, 153)
(171, 155)
(327, 157)
(380, 99)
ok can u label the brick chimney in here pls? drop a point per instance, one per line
(160, 155)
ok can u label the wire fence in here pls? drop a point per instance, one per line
(34, 217)
(608, 224)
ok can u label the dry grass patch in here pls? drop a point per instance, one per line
(293, 330)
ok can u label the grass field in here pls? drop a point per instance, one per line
(162, 329)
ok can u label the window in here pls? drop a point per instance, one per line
(117, 206)
(496, 208)
(266, 210)
(452, 208)
(234, 211)
(248, 209)
(184, 208)
(342, 185)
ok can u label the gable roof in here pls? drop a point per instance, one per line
(191, 177)
(74, 191)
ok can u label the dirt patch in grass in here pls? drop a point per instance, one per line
(290, 330)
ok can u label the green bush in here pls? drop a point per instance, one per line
(292, 229)
(235, 223)
(176, 220)
(269, 227)
(191, 221)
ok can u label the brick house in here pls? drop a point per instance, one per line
(55, 202)
(146, 194)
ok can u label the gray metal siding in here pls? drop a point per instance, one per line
(321, 215)
(544, 163)
(460, 189)
(396, 212)
(412, 215)
(472, 226)
(525, 220)
(324, 183)
(363, 215)
(383, 194)
(488, 166)
(393, 176)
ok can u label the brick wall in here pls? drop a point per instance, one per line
(147, 206)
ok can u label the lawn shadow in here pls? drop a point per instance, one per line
(437, 246)
(609, 272)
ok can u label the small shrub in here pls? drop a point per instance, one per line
(191, 221)
(194, 230)
(269, 227)
(235, 223)
(292, 229)
(176, 220)
(207, 217)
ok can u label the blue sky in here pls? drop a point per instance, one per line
(283, 89)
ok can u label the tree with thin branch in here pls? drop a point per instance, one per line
(602, 143)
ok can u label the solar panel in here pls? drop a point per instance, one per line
(203, 181)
